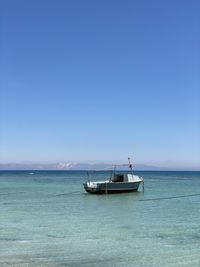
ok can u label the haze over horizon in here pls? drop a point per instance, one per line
(97, 81)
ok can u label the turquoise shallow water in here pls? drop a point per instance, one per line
(47, 219)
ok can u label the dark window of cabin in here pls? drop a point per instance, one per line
(118, 178)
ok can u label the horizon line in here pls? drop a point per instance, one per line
(103, 170)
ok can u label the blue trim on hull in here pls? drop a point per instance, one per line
(111, 191)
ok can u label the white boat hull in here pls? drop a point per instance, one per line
(111, 187)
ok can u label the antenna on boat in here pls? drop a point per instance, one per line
(130, 165)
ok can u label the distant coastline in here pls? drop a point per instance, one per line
(69, 166)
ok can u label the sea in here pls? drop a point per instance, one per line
(47, 219)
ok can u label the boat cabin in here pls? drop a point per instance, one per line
(118, 178)
(124, 177)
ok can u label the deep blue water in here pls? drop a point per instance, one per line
(46, 219)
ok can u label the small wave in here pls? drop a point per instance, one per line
(12, 193)
(12, 239)
(55, 236)
(68, 194)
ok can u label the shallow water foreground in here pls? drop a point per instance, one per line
(47, 219)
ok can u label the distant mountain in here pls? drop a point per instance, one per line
(83, 166)
(66, 166)
(52, 166)
(36, 166)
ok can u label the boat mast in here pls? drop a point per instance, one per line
(130, 165)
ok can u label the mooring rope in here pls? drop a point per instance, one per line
(163, 198)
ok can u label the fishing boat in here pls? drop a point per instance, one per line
(119, 182)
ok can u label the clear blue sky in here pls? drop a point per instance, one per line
(100, 80)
